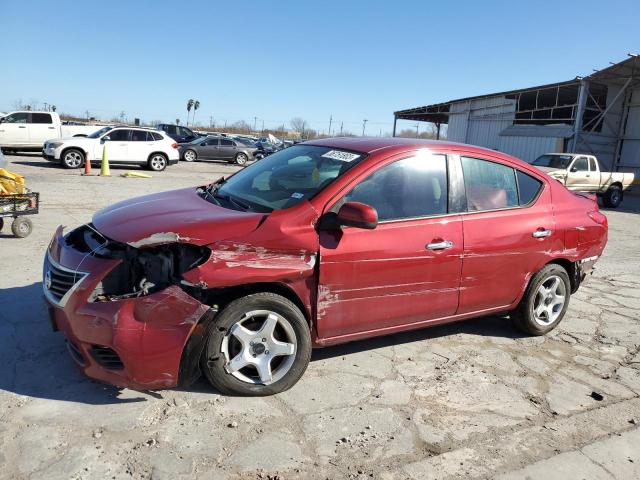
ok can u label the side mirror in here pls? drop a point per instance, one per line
(2, 119)
(359, 215)
(573, 169)
(106, 138)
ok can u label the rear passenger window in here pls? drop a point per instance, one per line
(409, 188)
(139, 136)
(226, 143)
(156, 136)
(488, 185)
(528, 187)
(41, 118)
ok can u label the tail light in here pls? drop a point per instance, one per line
(597, 217)
(174, 145)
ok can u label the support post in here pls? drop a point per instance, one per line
(395, 119)
(577, 121)
(438, 131)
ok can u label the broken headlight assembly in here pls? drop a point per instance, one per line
(140, 271)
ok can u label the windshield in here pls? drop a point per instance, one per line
(553, 161)
(100, 132)
(287, 177)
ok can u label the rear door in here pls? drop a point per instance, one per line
(404, 271)
(14, 131)
(509, 230)
(140, 146)
(227, 149)
(41, 128)
(579, 175)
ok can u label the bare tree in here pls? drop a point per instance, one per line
(298, 124)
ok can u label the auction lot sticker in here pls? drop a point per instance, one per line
(340, 155)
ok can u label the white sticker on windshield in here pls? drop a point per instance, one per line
(340, 155)
(297, 195)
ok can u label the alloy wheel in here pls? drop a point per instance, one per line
(549, 300)
(158, 162)
(260, 348)
(73, 159)
(189, 156)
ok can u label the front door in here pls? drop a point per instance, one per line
(404, 271)
(14, 131)
(209, 149)
(117, 146)
(579, 175)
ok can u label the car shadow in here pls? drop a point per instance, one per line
(34, 358)
(630, 203)
(94, 165)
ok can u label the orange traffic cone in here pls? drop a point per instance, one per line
(87, 164)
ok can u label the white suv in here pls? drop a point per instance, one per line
(124, 145)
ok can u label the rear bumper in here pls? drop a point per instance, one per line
(135, 342)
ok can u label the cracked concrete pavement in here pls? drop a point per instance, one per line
(474, 399)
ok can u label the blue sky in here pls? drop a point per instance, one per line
(277, 60)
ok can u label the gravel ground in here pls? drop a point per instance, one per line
(469, 400)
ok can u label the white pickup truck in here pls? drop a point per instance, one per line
(582, 173)
(27, 130)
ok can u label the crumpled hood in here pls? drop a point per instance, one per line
(177, 215)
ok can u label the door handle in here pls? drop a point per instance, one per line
(541, 233)
(51, 128)
(440, 245)
(22, 127)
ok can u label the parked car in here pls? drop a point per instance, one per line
(582, 173)
(217, 148)
(178, 133)
(265, 148)
(124, 145)
(322, 243)
(26, 130)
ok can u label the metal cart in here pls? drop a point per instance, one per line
(18, 206)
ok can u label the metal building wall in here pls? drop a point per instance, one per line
(630, 152)
(480, 121)
(530, 148)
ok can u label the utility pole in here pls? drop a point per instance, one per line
(417, 127)
(341, 124)
(330, 120)
(364, 125)
(45, 107)
(87, 114)
(263, 125)
(210, 121)
(255, 119)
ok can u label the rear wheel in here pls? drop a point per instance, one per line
(22, 227)
(157, 162)
(1, 223)
(241, 159)
(190, 156)
(260, 345)
(73, 158)
(544, 302)
(612, 197)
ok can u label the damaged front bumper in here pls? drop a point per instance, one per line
(144, 341)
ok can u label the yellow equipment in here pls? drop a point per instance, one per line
(11, 183)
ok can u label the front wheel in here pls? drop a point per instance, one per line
(157, 162)
(612, 197)
(544, 302)
(259, 345)
(241, 159)
(73, 158)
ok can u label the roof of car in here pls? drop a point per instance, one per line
(373, 144)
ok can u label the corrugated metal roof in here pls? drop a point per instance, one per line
(556, 131)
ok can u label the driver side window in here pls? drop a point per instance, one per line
(580, 165)
(413, 187)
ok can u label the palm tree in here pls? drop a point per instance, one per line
(196, 106)
(189, 106)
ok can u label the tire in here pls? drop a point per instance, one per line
(72, 158)
(241, 158)
(22, 227)
(612, 198)
(190, 156)
(157, 162)
(230, 343)
(541, 309)
(1, 223)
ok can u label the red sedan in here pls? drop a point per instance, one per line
(321, 243)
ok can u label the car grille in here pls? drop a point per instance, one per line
(106, 357)
(59, 281)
